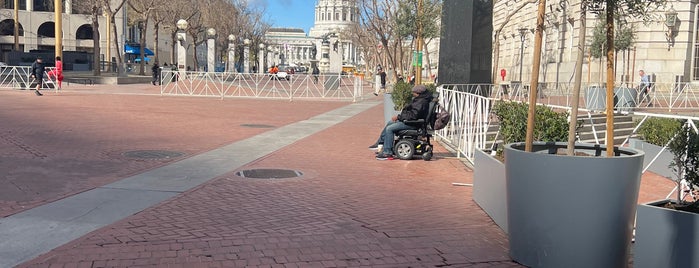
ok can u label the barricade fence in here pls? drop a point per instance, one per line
(251, 85)
(470, 120)
(19, 77)
(470, 108)
(628, 96)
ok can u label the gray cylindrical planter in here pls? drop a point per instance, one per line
(571, 211)
(665, 237)
(388, 107)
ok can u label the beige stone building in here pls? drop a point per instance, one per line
(665, 58)
(37, 32)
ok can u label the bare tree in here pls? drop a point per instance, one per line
(94, 8)
(144, 9)
(110, 12)
(377, 17)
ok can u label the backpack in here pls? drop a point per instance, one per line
(442, 118)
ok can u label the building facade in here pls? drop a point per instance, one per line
(292, 45)
(37, 32)
(667, 53)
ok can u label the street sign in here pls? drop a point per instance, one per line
(417, 58)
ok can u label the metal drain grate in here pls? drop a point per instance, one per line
(152, 154)
(269, 173)
(257, 126)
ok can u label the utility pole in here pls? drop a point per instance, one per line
(16, 25)
(58, 30)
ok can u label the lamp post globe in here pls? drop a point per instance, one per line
(262, 46)
(231, 38)
(182, 24)
(246, 42)
(211, 32)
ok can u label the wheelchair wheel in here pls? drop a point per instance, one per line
(404, 150)
(427, 155)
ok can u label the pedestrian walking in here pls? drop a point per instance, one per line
(315, 73)
(37, 73)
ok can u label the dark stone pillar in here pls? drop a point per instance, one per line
(465, 52)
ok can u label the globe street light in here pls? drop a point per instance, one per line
(261, 59)
(231, 53)
(181, 45)
(246, 56)
(211, 50)
(522, 36)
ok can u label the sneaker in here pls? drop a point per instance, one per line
(383, 156)
(376, 94)
(374, 147)
(38, 93)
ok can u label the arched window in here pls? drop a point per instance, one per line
(7, 27)
(84, 32)
(47, 29)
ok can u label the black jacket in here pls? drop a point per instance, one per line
(418, 108)
(38, 69)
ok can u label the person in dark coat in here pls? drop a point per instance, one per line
(37, 73)
(417, 109)
(156, 73)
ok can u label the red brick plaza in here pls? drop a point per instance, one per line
(346, 210)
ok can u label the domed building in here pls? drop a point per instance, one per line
(292, 46)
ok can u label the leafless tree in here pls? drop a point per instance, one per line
(110, 11)
(144, 9)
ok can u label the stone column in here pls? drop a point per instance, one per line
(182, 46)
(261, 59)
(231, 53)
(30, 7)
(246, 56)
(211, 50)
(68, 8)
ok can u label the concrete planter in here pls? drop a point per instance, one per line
(666, 237)
(489, 187)
(388, 105)
(661, 165)
(571, 211)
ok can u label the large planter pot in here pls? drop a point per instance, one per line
(489, 187)
(571, 211)
(666, 237)
(388, 110)
(661, 164)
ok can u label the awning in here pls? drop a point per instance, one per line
(136, 49)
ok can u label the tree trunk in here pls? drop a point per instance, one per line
(427, 59)
(142, 43)
(578, 80)
(610, 78)
(195, 60)
(496, 46)
(120, 62)
(173, 47)
(156, 45)
(96, 70)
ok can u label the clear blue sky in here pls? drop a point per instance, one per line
(289, 13)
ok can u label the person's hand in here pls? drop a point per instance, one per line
(394, 118)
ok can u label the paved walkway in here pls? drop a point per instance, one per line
(346, 210)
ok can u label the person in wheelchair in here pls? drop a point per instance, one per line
(417, 109)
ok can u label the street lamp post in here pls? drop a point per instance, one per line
(181, 48)
(261, 59)
(246, 56)
(231, 53)
(58, 27)
(211, 50)
(522, 37)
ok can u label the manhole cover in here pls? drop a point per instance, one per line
(257, 126)
(269, 173)
(152, 154)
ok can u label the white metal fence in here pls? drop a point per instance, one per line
(468, 127)
(661, 96)
(18, 77)
(298, 86)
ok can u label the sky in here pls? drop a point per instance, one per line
(288, 13)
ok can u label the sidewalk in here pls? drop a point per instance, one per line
(347, 209)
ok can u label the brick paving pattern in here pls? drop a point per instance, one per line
(62, 144)
(347, 209)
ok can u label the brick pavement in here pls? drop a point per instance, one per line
(61, 144)
(347, 210)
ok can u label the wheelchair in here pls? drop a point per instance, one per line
(416, 142)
